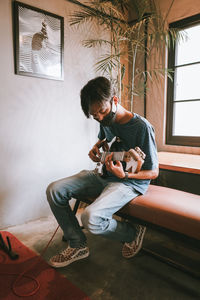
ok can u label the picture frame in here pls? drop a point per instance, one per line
(38, 42)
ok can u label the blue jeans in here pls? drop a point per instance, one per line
(97, 217)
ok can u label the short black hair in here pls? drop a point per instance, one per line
(98, 90)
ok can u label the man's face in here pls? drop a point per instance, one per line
(103, 112)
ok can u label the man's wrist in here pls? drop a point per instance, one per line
(100, 143)
(125, 175)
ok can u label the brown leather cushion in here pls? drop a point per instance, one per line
(169, 208)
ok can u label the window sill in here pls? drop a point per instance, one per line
(180, 162)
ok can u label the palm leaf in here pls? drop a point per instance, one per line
(107, 62)
(89, 13)
(95, 42)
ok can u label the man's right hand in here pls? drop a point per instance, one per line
(94, 153)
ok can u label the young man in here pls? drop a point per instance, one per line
(112, 190)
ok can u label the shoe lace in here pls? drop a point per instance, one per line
(66, 252)
(140, 229)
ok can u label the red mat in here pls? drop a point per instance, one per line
(52, 285)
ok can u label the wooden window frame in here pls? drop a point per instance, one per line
(171, 139)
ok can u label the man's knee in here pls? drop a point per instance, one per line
(56, 194)
(91, 221)
(51, 189)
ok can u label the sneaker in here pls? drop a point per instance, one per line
(131, 249)
(68, 256)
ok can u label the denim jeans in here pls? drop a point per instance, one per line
(97, 217)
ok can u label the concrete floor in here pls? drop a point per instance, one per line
(105, 274)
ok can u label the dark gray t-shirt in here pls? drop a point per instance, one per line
(137, 132)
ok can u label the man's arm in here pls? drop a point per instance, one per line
(144, 174)
(117, 170)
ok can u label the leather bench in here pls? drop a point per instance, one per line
(168, 209)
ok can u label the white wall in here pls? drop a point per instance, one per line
(44, 134)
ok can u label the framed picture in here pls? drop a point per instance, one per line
(38, 42)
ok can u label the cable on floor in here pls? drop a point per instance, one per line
(22, 274)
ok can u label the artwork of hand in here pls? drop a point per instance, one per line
(39, 37)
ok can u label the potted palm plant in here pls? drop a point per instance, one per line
(128, 43)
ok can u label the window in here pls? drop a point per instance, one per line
(183, 93)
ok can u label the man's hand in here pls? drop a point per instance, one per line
(116, 169)
(94, 153)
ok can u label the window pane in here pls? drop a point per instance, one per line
(186, 85)
(187, 118)
(188, 49)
